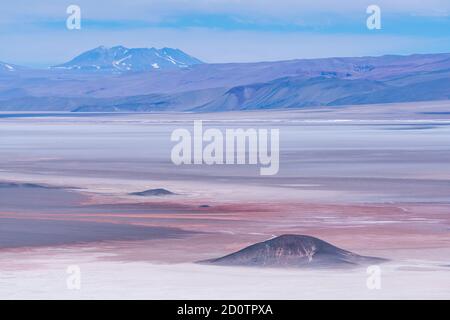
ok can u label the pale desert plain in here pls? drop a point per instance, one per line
(372, 179)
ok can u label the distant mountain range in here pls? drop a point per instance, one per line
(297, 251)
(122, 59)
(165, 80)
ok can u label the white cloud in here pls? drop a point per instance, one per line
(149, 9)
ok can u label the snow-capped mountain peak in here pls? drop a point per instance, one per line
(122, 59)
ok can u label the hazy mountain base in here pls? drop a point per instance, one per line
(239, 86)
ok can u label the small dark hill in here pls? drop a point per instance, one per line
(153, 192)
(293, 251)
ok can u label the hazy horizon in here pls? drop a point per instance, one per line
(45, 66)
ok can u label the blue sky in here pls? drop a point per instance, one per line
(34, 32)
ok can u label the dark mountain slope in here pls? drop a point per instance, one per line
(293, 251)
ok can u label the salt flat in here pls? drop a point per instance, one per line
(373, 180)
(43, 275)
